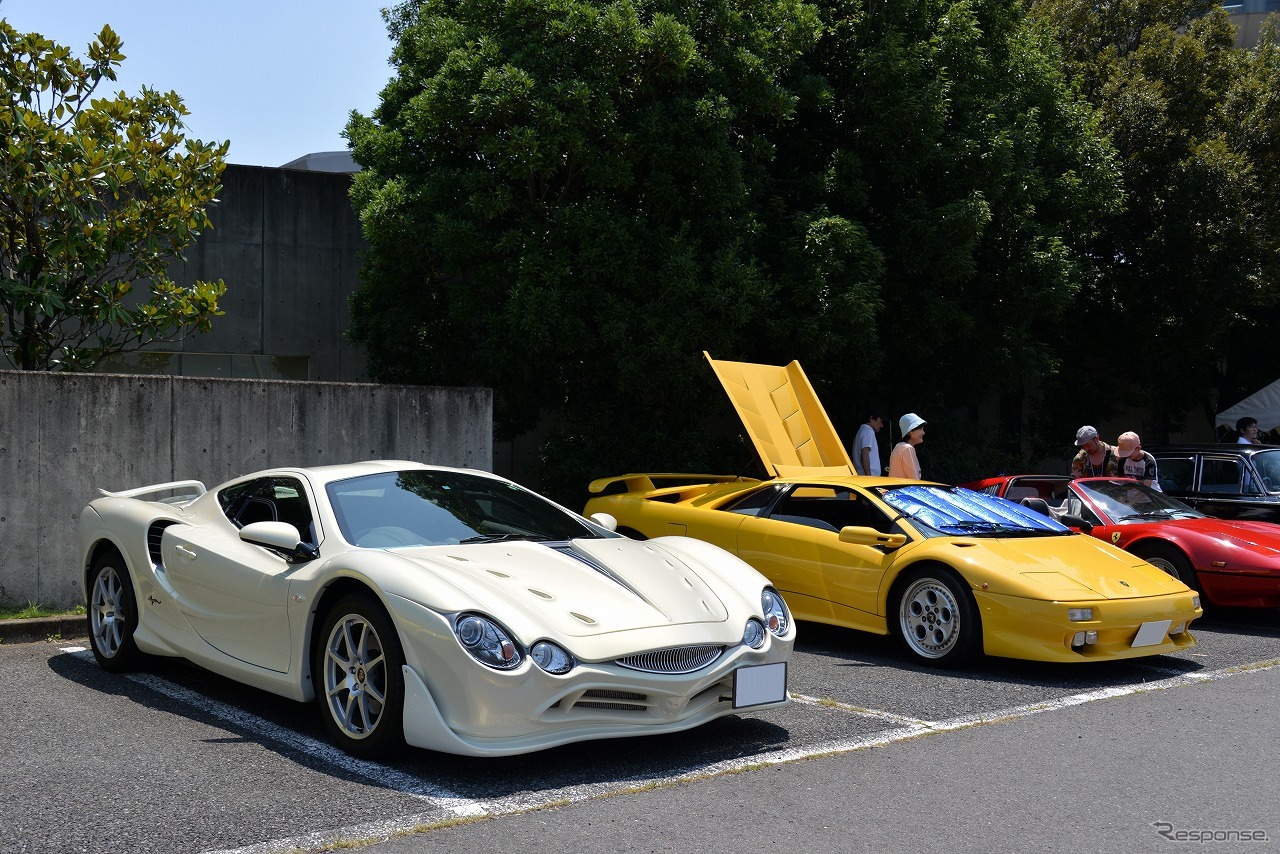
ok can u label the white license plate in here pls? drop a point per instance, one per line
(1152, 633)
(759, 684)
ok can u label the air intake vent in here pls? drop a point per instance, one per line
(684, 659)
(153, 541)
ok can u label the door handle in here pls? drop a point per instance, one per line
(186, 551)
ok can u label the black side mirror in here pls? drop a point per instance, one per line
(1073, 521)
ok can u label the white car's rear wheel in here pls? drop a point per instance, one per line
(937, 620)
(361, 683)
(113, 615)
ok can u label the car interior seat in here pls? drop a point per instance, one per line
(1039, 505)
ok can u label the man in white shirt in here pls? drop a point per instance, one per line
(866, 448)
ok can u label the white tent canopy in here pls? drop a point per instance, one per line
(1263, 405)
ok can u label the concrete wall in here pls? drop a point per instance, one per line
(62, 436)
(287, 244)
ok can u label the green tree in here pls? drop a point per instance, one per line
(947, 133)
(1189, 268)
(562, 202)
(97, 196)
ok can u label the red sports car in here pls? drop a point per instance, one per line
(1232, 563)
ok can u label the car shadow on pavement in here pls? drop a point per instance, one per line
(851, 648)
(636, 760)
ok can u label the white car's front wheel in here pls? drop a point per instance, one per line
(361, 684)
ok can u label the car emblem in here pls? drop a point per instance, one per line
(1115, 537)
(1125, 583)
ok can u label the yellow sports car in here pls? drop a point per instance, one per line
(951, 572)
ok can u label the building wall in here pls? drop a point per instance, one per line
(287, 245)
(64, 436)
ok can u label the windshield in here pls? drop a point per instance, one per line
(429, 508)
(955, 511)
(1130, 501)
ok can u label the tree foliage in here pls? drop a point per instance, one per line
(97, 196)
(1190, 266)
(947, 131)
(562, 202)
(569, 201)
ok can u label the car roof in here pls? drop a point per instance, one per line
(1209, 448)
(344, 471)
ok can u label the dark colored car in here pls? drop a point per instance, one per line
(1226, 481)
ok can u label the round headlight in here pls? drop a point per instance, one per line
(754, 634)
(487, 642)
(775, 612)
(551, 658)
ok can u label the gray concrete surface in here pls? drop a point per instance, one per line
(287, 244)
(64, 436)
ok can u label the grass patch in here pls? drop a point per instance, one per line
(35, 609)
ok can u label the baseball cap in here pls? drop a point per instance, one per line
(1084, 434)
(1127, 444)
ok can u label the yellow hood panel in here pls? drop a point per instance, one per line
(784, 418)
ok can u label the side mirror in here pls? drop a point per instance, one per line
(1072, 521)
(860, 536)
(604, 520)
(279, 537)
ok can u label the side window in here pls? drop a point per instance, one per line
(269, 499)
(752, 504)
(1221, 476)
(1176, 473)
(829, 508)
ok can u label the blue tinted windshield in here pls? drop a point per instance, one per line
(956, 511)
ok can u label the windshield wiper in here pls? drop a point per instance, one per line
(1001, 529)
(502, 538)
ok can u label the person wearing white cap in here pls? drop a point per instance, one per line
(903, 461)
(1096, 458)
(1135, 462)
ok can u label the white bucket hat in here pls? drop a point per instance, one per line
(909, 422)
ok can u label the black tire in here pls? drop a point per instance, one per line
(113, 615)
(936, 618)
(358, 677)
(1172, 561)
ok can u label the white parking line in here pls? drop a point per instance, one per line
(443, 799)
(374, 772)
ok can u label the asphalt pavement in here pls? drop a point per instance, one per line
(1185, 769)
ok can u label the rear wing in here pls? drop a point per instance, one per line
(646, 482)
(185, 490)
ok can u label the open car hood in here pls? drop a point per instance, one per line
(784, 418)
(583, 588)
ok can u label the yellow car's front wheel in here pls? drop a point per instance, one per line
(937, 619)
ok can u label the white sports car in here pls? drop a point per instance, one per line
(453, 610)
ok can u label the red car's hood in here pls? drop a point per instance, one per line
(1257, 536)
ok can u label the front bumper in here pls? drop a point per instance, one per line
(1014, 627)
(456, 705)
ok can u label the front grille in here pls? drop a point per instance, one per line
(684, 659)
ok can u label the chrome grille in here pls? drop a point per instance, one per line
(683, 659)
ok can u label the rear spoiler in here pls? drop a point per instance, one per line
(195, 490)
(645, 482)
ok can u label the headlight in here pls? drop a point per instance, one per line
(1080, 615)
(776, 618)
(487, 642)
(551, 657)
(754, 634)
